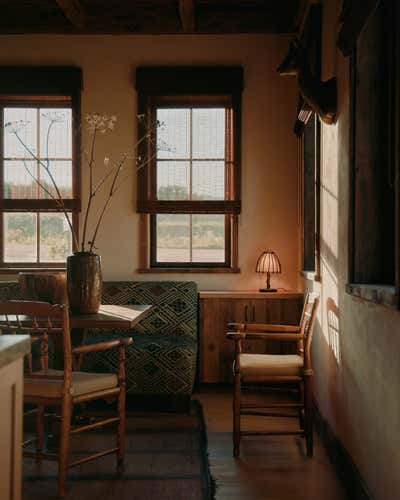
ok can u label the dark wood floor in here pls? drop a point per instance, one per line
(164, 466)
(270, 467)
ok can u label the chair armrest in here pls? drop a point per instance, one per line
(102, 346)
(236, 336)
(288, 337)
(236, 326)
(263, 327)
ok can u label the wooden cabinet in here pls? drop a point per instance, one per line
(12, 350)
(219, 308)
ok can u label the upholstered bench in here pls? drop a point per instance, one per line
(161, 363)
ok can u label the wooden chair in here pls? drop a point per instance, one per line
(64, 388)
(264, 369)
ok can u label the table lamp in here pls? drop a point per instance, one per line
(268, 262)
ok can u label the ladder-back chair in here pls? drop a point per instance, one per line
(264, 369)
(64, 388)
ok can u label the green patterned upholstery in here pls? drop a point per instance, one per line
(162, 359)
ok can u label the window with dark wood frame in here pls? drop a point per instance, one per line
(311, 196)
(374, 98)
(189, 195)
(33, 232)
(374, 216)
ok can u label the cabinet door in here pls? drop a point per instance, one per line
(216, 352)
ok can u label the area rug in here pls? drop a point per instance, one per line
(166, 459)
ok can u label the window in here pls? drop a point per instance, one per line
(33, 232)
(189, 191)
(311, 189)
(374, 161)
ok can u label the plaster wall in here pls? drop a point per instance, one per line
(269, 216)
(357, 343)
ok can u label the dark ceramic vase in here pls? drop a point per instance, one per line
(84, 282)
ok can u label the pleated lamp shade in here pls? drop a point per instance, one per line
(268, 262)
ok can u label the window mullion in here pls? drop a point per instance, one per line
(191, 184)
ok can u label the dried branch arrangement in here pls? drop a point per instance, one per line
(108, 183)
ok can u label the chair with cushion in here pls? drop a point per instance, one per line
(272, 369)
(64, 388)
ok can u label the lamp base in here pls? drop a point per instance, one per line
(264, 290)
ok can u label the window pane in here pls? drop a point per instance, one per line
(173, 180)
(18, 183)
(208, 238)
(55, 238)
(208, 180)
(24, 122)
(20, 237)
(173, 238)
(208, 133)
(55, 132)
(173, 138)
(62, 174)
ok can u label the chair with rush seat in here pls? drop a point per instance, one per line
(64, 388)
(266, 369)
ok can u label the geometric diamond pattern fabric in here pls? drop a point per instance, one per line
(162, 358)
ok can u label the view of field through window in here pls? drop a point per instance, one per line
(33, 236)
(190, 166)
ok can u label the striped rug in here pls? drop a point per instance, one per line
(166, 459)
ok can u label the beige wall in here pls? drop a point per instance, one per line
(269, 217)
(357, 343)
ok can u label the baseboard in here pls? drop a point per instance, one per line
(341, 460)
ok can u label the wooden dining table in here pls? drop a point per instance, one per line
(113, 317)
(109, 316)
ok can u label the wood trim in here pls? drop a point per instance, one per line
(191, 270)
(187, 15)
(383, 295)
(352, 129)
(189, 79)
(188, 206)
(354, 19)
(29, 205)
(74, 12)
(249, 294)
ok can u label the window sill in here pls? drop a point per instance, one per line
(310, 275)
(378, 294)
(16, 270)
(177, 270)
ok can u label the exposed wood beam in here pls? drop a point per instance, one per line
(186, 13)
(74, 12)
(302, 13)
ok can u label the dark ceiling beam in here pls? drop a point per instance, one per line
(302, 13)
(74, 12)
(186, 14)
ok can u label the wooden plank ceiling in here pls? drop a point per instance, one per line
(150, 16)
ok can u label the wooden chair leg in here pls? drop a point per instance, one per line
(301, 409)
(39, 431)
(308, 423)
(121, 412)
(66, 411)
(121, 430)
(236, 414)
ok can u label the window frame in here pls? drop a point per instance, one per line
(388, 295)
(174, 95)
(315, 273)
(73, 204)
